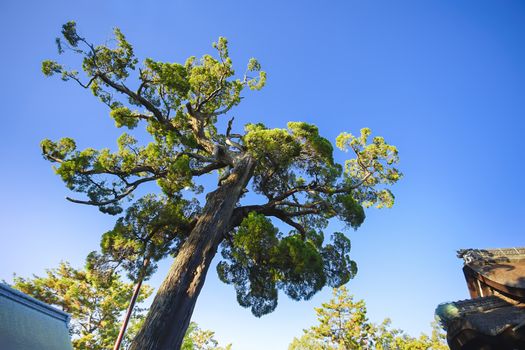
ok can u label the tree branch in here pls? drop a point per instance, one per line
(140, 99)
(132, 187)
(212, 95)
(206, 169)
(85, 86)
(241, 212)
(312, 187)
(229, 140)
(197, 125)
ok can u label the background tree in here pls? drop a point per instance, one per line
(292, 170)
(94, 296)
(343, 325)
(436, 340)
(199, 339)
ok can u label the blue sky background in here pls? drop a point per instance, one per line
(442, 80)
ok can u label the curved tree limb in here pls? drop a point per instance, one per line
(129, 189)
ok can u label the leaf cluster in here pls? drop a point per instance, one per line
(151, 229)
(259, 260)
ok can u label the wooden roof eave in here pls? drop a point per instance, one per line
(513, 292)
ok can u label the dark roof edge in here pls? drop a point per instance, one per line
(470, 255)
(33, 303)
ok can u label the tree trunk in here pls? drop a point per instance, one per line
(170, 313)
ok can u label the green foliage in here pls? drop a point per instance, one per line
(373, 166)
(69, 31)
(288, 156)
(95, 297)
(50, 67)
(349, 210)
(343, 324)
(199, 339)
(309, 134)
(272, 146)
(152, 228)
(259, 260)
(252, 269)
(338, 266)
(123, 116)
(180, 107)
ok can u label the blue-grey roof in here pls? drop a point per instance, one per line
(489, 315)
(28, 324)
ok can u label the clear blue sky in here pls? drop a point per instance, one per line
(442, 80)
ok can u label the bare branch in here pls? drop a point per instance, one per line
(132, 187)
(313, 187)
(206, 169)
(229, 128)
(241, 212)
(75, 78)
(284, 217)
(134, 171)
(229, 141)
(296, 205)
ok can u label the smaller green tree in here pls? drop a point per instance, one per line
(436, 341)
(201, 339)
(94, 296)
(343, 325)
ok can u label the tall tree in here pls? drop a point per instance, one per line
(94, 296)
(292, 170)
(343, 324)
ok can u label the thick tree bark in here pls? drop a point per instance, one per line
(171, 310)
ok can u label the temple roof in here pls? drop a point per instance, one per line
(488, 315)
(28, 324)
(495, 316)
(503, 266)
